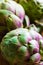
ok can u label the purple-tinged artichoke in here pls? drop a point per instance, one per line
(14, 45)
(19, 47)
(8, 21)
(12, 15)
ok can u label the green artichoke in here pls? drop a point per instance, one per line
(33, 9)
(20, 47)
(14, 45)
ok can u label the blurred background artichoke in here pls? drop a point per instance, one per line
(33, 8)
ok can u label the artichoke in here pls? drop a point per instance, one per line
(19, 47)
(15, 45)
(8, 21)
(33, 8)
(10, 16)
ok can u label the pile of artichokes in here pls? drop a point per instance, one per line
(21, 44)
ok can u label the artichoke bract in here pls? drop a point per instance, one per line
(26, 22)
(36, 58)
(35, 35)
(41, 63)
(33, 46)
(19, 47)
(41, 47)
